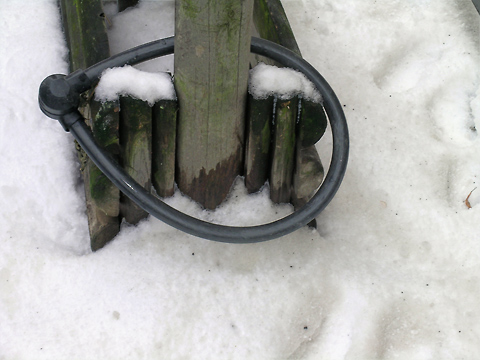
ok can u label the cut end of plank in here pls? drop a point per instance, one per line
(212, 188)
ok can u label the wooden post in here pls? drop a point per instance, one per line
(87, 40)
(212, 48)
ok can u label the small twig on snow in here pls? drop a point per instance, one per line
(466, 200)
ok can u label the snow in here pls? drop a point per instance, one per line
(266, 80)
(393, 271)
(148, 21)
(127, 80)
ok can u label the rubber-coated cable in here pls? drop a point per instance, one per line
(58, 99)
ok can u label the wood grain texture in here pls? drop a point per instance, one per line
(271, 23)
(309, 172)
(85, 31)
(257, 147)
(136, 145)
(212, 47)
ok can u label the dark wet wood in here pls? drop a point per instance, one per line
(85, 31)
(283, 150)
(257, 147)
(163, 147)
(309, 171)
(271, 23)
(136, 145)
(308, 175)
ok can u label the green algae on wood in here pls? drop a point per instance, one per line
(307, 177)
(257, 146)
(85, 32)
(309, 170)
(163, 146)
(271, 23)
(313, 122)
(212, 47)
(136, 150)
(102, 212)
(102, 197)
(105, 127)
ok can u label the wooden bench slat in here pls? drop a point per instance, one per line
(283, 150)
(257, 146)
(212, 50)
(163, 146)
(136, 144)
(87, 40)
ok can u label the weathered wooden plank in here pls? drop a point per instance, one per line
(476, 3)
(283, 150)
(101, 226)
(136, 145)
(88, 44)
(313, 122)
(272, 24)
(102, 198)
(105, 127)
(257, 146)
(307, 178)
(212, 47)
(309, 172)
(308, 175)
(163, 146)
(85, 32)
(103, 220)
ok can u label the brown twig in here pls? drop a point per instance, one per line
(466, 200)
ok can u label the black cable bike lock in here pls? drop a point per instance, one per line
(59, 99)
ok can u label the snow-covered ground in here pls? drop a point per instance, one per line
(393, 271)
